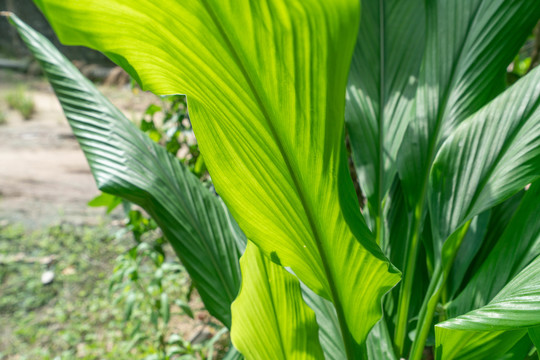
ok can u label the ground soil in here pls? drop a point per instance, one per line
(44, 177)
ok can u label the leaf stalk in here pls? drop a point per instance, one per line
(406, 285)
(436, 286)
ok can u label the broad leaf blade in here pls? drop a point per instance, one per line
(270, 318)
(469, 45)
(126, 163)
(506, 318)
(472, 345)
(490, 157)
(467, 251)
(519, 351)
(500, 217)
(381, 90)
(507, 258)
(379, 343)
(266, 86)
(534, 335)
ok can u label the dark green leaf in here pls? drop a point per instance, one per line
(126, 163)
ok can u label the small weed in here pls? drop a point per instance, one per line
(3, 117)
(22, 102)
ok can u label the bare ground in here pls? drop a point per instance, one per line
(44, 176)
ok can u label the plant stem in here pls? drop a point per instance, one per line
(426, 314)
(436, 286)
(406, 284)
(378, 230)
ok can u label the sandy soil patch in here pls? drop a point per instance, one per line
(44, 177)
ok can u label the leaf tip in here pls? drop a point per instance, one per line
(6, 13)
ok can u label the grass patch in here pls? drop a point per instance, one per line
(20, 100)
(79, 315)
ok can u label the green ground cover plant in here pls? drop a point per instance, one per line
(99, 304)
(443, 150)
(19, 100)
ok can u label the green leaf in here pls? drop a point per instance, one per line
(507, 258)
(270, 318)
(165, 308)
(467, 251)
(329, 329)
(469, 45)
(473, 345)
(499, 219)
(381, 89)
(534, 334)
(519, 351)
(266, 89)
(379, 343)
(490, 157)
(496, 327)
(107, 200)
(126, 163)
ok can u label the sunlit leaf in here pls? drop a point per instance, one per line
(266, 89)
(270, 318)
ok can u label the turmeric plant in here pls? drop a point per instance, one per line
(443, 150)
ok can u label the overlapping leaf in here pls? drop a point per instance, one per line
(490, 157)
(507, 258)
(271, 320)
(469, 45)
(495, 328)
(126, 163)
(266, 87)
(381, 90)
(329, 329)
(500, 217)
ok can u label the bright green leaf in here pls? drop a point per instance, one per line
(107, 200)
(270, 318)
(266, 89)
(473, 345)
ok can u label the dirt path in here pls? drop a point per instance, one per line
(44, 177)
